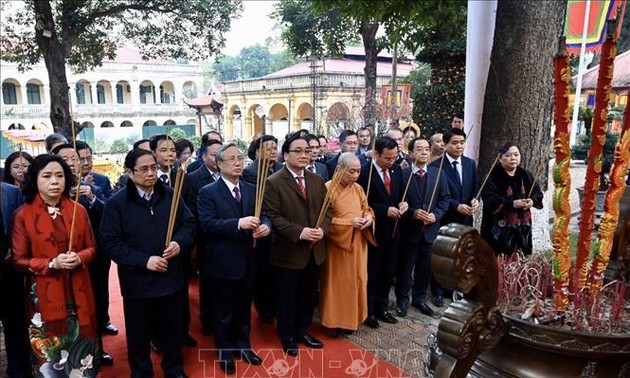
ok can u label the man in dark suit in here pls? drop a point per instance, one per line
(206, 174)
(314, 166)
(85, 156)
(428, 202)
(12, 294)
(134, 228)
(264, 290)
(293, 200)
(206, 138)
(403, 159)
(462, 177)
(349, 142)
(463, 185)
(385, 198)
(226, 212)
(163, 148)
(270, 149)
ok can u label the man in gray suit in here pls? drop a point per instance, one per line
(293, 200)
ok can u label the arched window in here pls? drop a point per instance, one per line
(32, 94)
(100, 94)
(80, 92)
(9, 94)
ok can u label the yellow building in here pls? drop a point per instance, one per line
(323, 96)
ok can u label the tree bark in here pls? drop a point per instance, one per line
(54, 53)
(518, 99)
(368, 31)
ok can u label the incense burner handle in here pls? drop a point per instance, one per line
(461, 260)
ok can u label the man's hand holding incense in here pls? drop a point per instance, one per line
(172, 250)
(312, 234)
(261, 231)
(157, 264)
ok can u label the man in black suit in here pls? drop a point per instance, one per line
(403, 159)
(365, 141)
(264, 290)
(462, 177)
(206, 174)
(134, 229)
(12, 292)
(293, 200)
(226, 212)
(86, 158)
(163, 148)
(349, 143)
(205, 139)
(385, 198)
(314, 166)
(463, 185)
(428, 202)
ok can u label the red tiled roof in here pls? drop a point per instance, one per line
(621, 76)
(204, 101)
(128, 55)
(341, 65)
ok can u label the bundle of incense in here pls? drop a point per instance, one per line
(404, 196)
(177, 192)
(332, 190)
(261, 182)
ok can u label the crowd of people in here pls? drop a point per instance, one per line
(333, 231)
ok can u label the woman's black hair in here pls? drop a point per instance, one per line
(30, 189)
(505, 147)
(7, 165)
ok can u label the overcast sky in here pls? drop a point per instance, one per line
(254, 26)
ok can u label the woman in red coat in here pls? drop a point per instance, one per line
(62, 332)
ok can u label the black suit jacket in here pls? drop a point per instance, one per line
(229, 250)
(461, 193)
(193, 184)
(250, 173)
(418, 196)
(322, 171)
(379, 200)
(102, 182)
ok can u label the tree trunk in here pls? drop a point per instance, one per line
(518, 99)
(54, 54)
(368, 31)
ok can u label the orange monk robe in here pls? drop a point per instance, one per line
(343, 302)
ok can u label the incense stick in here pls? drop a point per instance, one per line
(332, 189)
(404, 195)
(487, 177)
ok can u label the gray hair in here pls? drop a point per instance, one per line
(347, 158)
(219, 154)
(55, 138)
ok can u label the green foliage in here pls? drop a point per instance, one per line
(195, 140)
(100, 146)
(579, 151)
(119, 146)
(309, 32)
(90, 30)
(419, 78)
(435, 104)
(177, 133)
(241, 144)
(253, 61)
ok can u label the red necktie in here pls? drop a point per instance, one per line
(388, 182)
(301, 185)
(237, 194)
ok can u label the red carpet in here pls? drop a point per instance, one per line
(339, 358)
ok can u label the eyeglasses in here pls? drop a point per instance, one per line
(145, 169)
(300, 151)
(234, 159)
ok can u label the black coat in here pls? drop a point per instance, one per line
(134, 229)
